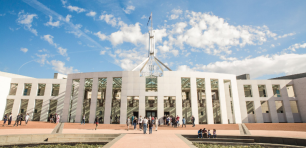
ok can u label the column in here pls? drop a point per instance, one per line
(224, 119)
(108, 100)
(65, 114)
(60, 99)
(257, 104)
(142, 105)
(160, 107)
(178, 98)
(209, 108)
(271, 103)
(123, 105)
(228, 103)
(236, 105)
(79, 108)
(93, 104)
(194, 103)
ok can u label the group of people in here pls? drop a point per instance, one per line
(174, 121)
(54, 118)
(19, 119)
(206, 133)
(144, 123)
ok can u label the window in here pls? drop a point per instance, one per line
(279, 106)
(27, 89)
(264, 106)
(247, 91)
(41, 89)
(250, 107)
(13, 89)
(262, 90)
(276, 90)
(55, 89)
(294, 107)
(290, 91)
(151, 84)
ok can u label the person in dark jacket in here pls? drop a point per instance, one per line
(17, 119)
(4, 119)
(97, 122)
(21, 118)
(10, 119)
(54, 118)
(173, 122)
(150, 126)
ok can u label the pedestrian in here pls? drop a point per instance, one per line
(140, 123)
(200, 133)
(204, 133)
(133, 118)
(177, 121)
(4, 119)
(209, 135)
(193, 120)
(54, 118)
(150, 125)
(58, 118)
(134, 123)
(128, 123)
(214, 133)
(145, 122)
(83, 119)
(156, 123)
(184, 122)
(10, 119)
(21, 118)
(167, 121)
(17, 119)
(97, 122)
(27, 118)
(165, 117)
(173, 122)
(51, 118)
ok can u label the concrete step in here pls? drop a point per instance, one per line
(221, 140)
(90, 139)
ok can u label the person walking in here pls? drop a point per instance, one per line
(132, 118)
(128, 121)
(145, 122)
(177, 121)
(10, 119)
(83, 119)
(21, 118)
(58, 118)
(17, 119)
(140, 123)
(184, 122)
(134, 123)
(193, 120)
(51, 118)
(4, 119)
(156, 123)
(97, 122)
(54, 118)
(27, 118)
(150, 125)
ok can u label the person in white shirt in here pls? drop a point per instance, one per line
(156, 123)
(140, 122)
(128, 121)
(145, 123)
(27, 118)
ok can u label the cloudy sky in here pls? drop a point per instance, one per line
(263, 38)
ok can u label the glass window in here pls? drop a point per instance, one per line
(247, 90)
(250, 107)
(279, 106)
(87, 99)
(276, 90)
(41, 89)
(55, 89)
(294, 107)
(215, 100)
(27, 89)
(262, 90)
(116, 101)
(101, 99)
(290, 91)
(186, 101)
(264, 106)
(151, 84)
(13, 89)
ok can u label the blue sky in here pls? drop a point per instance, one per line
(263, 38)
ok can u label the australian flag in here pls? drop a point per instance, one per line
(149, 19)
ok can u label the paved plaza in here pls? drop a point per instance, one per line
(164, 137)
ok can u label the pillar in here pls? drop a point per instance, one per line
(209, 108)
(224, 119)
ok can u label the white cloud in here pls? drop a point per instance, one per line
(272, 45)
(26, 20)
(53, 24)
(49, 39)
(128, 59)
(64, 2)
(67, 19)
(296, 46)
(59, 66)
(76, 9)
(62, 51)
(109, 19)
(174, 52)
(144, 17)
(100, 35)
(25, 50)
(175, 14)
(195, 50)
(102, 52)
(129, 9)
(42, 58)
(43, 50)
(91, 13)
(76, 31)
(256, 67)
(286, 35)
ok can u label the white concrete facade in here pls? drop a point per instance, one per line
(232, 99)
